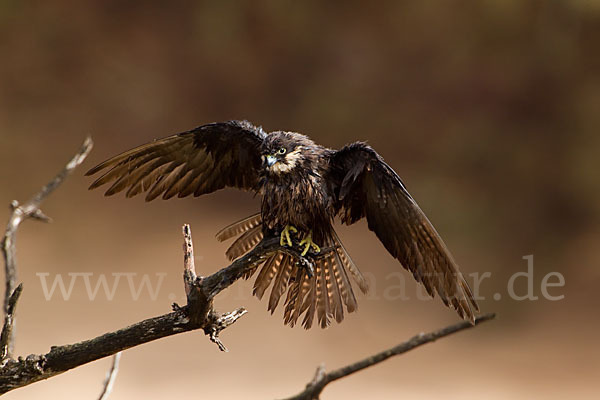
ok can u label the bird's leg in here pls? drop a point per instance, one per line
(308, 243)
(285, 235)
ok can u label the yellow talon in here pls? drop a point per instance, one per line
(285, 235)
(308, 242)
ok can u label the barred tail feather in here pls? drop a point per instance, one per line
(266, 274)
(346, 261)
(239, 227)
(245, 242)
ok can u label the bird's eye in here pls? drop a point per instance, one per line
(281, 150)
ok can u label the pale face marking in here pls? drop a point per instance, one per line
(291, 160)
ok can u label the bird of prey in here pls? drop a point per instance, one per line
(304, 187)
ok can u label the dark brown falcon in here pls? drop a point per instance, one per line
(303, 186)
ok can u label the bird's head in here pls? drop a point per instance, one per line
(284, 151)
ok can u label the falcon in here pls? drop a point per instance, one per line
(304, 187)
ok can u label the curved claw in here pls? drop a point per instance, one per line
(308, 244)
(285, 235)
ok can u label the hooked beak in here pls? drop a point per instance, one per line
(271, 160)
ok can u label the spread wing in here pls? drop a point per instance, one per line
(197, 162)
(365, 186)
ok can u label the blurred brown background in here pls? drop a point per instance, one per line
(488, 110)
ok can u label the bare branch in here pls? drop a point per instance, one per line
(220, 322)
(200, 290)
(111, 375)
(199, 303)
(197, 314)
(315, 387)
(9, 319)
(30, 209)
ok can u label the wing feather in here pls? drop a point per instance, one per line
(198, 161)
(366, 186)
